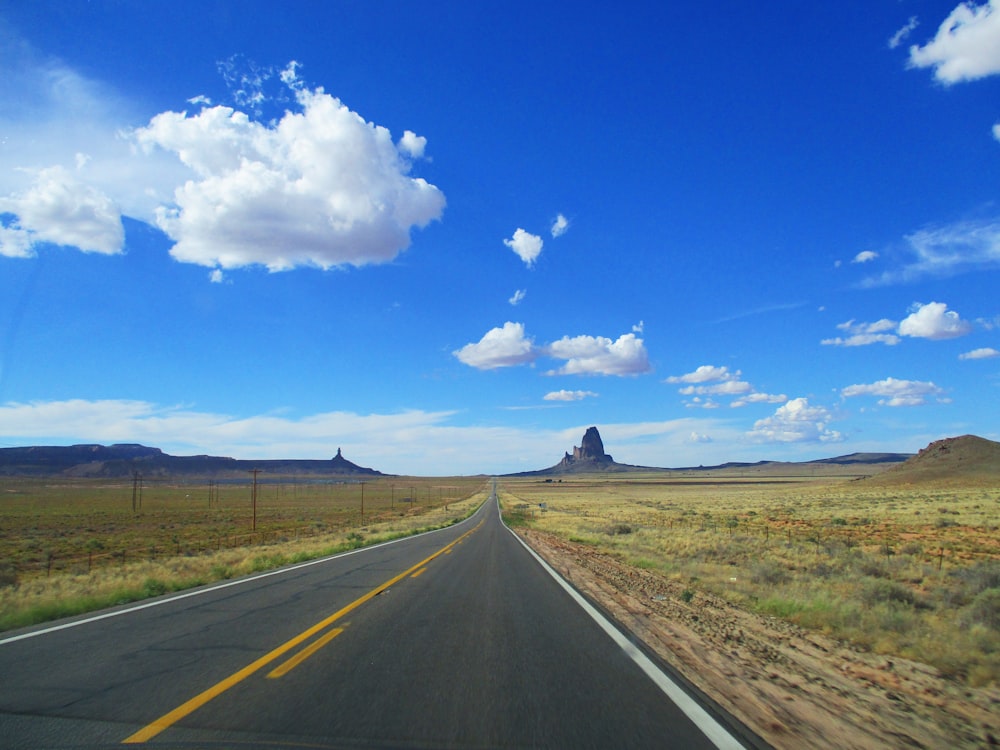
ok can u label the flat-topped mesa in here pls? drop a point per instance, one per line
(590, 450)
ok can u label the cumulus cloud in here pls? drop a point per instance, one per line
(725, 388)
(60, 209)
(863, 334)
(412, 144)
(934, 321)
(896, 392)
(518, 296)
(759, 398)
(315, 186)
(945, 251)
(527, 246)
(499, 347)
(320, 187)
(597, 355)
(796, 422)
(584, 355)
(865, 256)
(560, 226)
(710, 380)
(565, 395)
(704, 374)
(966, 46)
(931, 321)
(984, 353)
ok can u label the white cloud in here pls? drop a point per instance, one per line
(934, 321)
(526, 245)
(946, 251)
(795, 422)
(15, 242)
(996, 131)
(984, 353)
(412, 144)
(597, 355)
(759, 398)
(52, 114)
(639, 327)
(931, 321)
(966, 46)
(584, 355)
(699, 403)
(60, 209)
(499, 347)
(863, 334)
(316, 186)
(560, 226)
(519, 295)
(705, 374)
(565, 395)
(216, 276)
(320, 187)
(722, 382)
(865, 256)
(725, 388)
(900, 36)
(896, 392)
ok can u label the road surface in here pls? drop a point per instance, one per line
(457, 638)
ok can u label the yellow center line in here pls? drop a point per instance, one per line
(419, 572)
(185, 709)
(304, 654)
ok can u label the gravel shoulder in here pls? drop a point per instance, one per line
(793, 687)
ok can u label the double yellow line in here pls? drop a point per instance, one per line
(185, 709)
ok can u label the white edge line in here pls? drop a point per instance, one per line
(218, 586)
(712, 729)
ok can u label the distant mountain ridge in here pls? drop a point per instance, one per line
(124, 459)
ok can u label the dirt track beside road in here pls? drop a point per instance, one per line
(794, 688)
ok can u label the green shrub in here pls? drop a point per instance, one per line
(984, 610)
(879, 590)
(768, 573)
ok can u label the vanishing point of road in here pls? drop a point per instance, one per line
(459, 638)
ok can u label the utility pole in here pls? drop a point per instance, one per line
(136, 491)
(253, 496)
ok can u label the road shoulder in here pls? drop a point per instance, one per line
(794, 688)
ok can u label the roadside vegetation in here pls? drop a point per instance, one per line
(906, 571)
(72, 547)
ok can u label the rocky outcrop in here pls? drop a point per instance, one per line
(590, 451)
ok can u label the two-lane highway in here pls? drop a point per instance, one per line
(459, 638)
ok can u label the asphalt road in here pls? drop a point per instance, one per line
(458, 638)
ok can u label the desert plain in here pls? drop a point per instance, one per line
(822, 606)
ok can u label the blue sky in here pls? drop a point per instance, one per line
(449, 237)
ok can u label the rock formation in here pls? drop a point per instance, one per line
(590, 452)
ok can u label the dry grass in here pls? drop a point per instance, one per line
(72, 548)
(895, 570)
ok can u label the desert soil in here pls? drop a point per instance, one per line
(792, 687)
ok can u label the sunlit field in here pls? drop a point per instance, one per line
(910, 572)
(73, 546)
